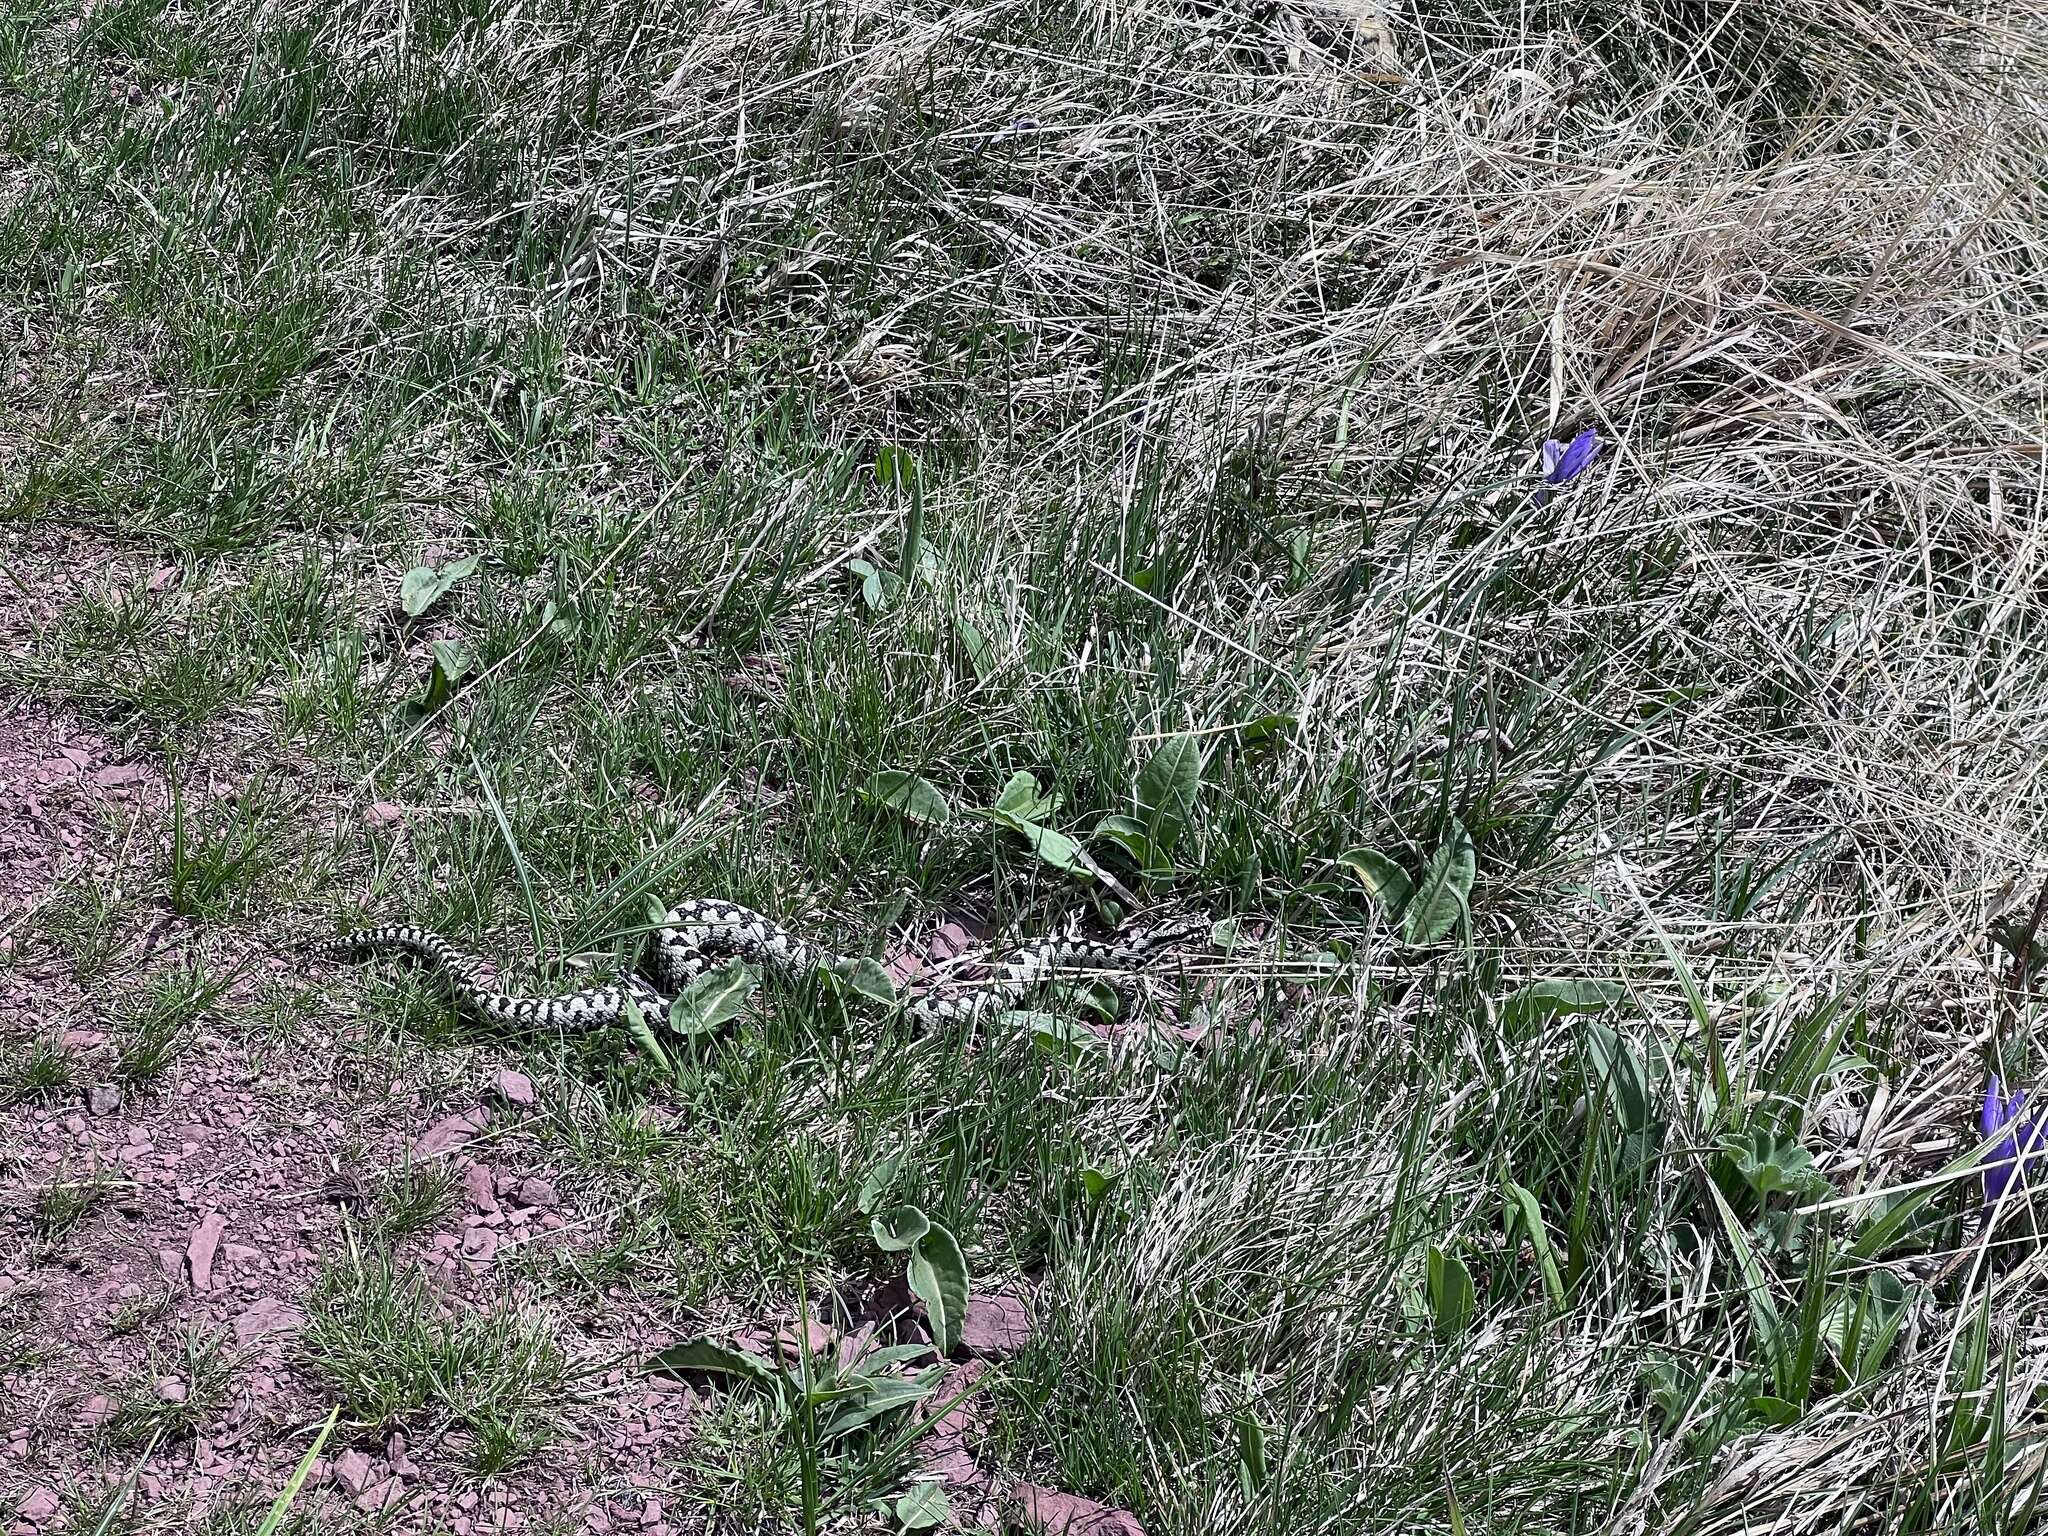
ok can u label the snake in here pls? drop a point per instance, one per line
(694, 934)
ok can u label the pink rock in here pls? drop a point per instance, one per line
(39, 1506)
(201, 1247)
(515, 1088)
(94, 1411)
(119, 776)
(353, 1470)
(446, 1135)
(1053, 1513)
(995, 1326)
(536, 1192)
(480, 1243)
(481, 1185)
(383, 814)
(171, 1390)
(242, 1253)
(260, 1319)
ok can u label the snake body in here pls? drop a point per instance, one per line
(694, 934)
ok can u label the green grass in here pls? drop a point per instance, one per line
(159, 1020)
(1632, 879)
(62, 1203)
(175, 1395)
(36, 1071)
(378, 1338)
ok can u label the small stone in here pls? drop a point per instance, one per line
(242, 1253)
(171, 1390)
(383, 814)
(650, 1512)
(446, 1135)
(480, 1244)
(995, 1325)
(39, 1506)
(103, 1098)
(95, 1411)
(536, 1192)
(1053, 1513)
(481, 1185)
(260, 1319)
(353, 1470)
(515, 1088)
(201, 1247)
(119, 776)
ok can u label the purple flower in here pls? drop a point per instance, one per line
(1563, 461)
(2007, 1162)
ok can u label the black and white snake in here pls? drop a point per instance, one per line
(695, 934)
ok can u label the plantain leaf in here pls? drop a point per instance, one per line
(1384, 880)
(938, 1278)
(1443, 896)
(916, 798)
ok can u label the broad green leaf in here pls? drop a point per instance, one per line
(1129, 834)
(915, 797)
(642, 1034)
(1226, 934)
(1095, 1183)
(450, 665)
(938, 1278)
(866, 978)
(1451, 1297)
(1061, 1037)
(703, 1357)
(877, 586)
(1168, 786)
(1251, 1455)
(423, 586)
(1773, 1412)
(1542, 1000)
(886, 1395)
(1021, 801)
(1446, 888)
(1384, 880)
(924, 1507)
(1770, 1164)
(895, 466)
(1267, 728)
(1523, 1210)
(1056, 848)
(1617, 1068)
(713, 1000)
(898, 1228)
(981, 656)
(877, 1183)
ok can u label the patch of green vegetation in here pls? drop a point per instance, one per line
(174, 1395)
(393, 1353)
(1091, 473)
(36, 1071)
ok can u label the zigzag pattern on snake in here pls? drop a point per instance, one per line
(695, 933)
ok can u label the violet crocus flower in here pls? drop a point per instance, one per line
(2007, 1163)
(1563, 461)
